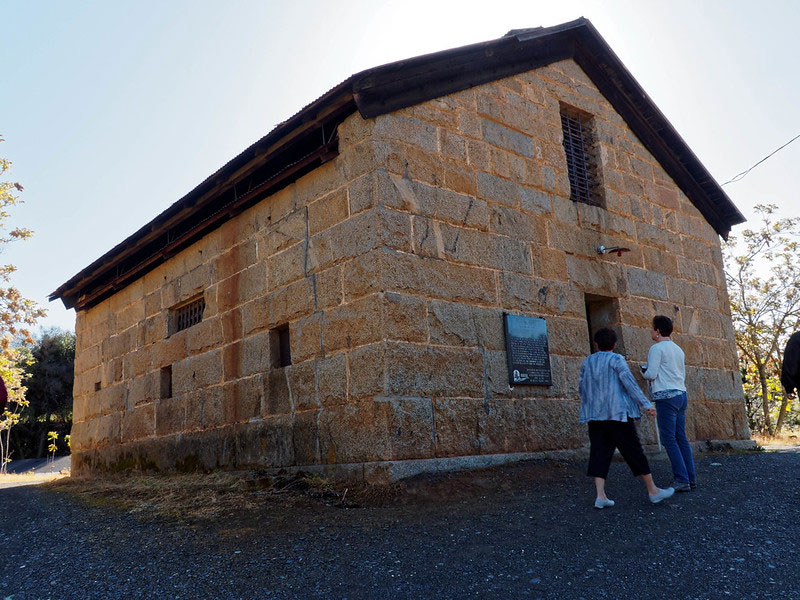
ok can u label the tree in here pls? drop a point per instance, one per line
(17, 315)
(763, 275)
(48, 368)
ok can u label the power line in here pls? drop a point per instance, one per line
(741, 175)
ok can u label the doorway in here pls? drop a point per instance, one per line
(603, 311)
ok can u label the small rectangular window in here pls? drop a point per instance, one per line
(579, 148)
(97, 386)
(185, 315)
(166, 382)
(280, 347)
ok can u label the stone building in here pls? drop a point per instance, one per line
(335, 295)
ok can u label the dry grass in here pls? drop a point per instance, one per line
(197, 497)
(785, 438)
(30, 476)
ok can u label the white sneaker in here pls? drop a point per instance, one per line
(599, 503)
(661, 495)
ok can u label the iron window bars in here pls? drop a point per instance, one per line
(187, 315)
(578, 144)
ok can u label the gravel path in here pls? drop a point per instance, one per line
(527, 532)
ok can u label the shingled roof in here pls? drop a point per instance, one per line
(308, 139)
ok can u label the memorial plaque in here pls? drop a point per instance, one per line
(527, 350)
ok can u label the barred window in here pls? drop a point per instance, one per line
(581, 161)
(188, 314)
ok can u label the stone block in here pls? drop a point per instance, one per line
(205, 409)
(660, 261)
(420, 276)
(540, 296)
(136, 363)
(364, 274)
(459, 179)
(255, 354)
(354, 129)
(413, 370)
(153, 329)
(353, 324)
(517, 224)
(242, 399)
(458, 426)
(139, 423)
(111, 399)
(438, 112)
(254, 315)
(287, 266)
(283, 234)
(303, 385)
(565, 209)
(602, 278)
(130, 315)
(663, 196)
(170, 416)
(410, 161)
(197, 372)
(508, 139)
(503, 427)
(331, 373)
(552, 423)
(361, 158)
(343, 241)
(411, 428)
(328, 287)
(305, 437)
(306, 337)
(549, 263)
(719, 421)
(452, 324)
(366, 367)
(568, 337)
(722, 385)
(291, 302)
(322, 180)
(277, 397)
(265, 443)
(649, 284)
(698, 251)
(361, 193)
(405, 318)
(535, 201)
(412, 131)
(205, 335)
(440, 240)
(231, 324)
(329, 210)
(235, 259)
(574, 239)
(497, 190)
(425, 200)
(143, 389)
(355, 432)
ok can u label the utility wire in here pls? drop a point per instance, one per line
(741, 175)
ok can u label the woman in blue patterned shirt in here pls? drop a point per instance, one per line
(610, 399)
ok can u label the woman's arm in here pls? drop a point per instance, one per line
(629, 384)
(653, 363)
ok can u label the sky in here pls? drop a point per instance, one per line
(112, 111)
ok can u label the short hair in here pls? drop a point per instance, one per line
(605, 338)
(663, 325)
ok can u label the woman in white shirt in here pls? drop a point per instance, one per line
(665, 368)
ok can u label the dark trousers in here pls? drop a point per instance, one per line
(605, 437)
